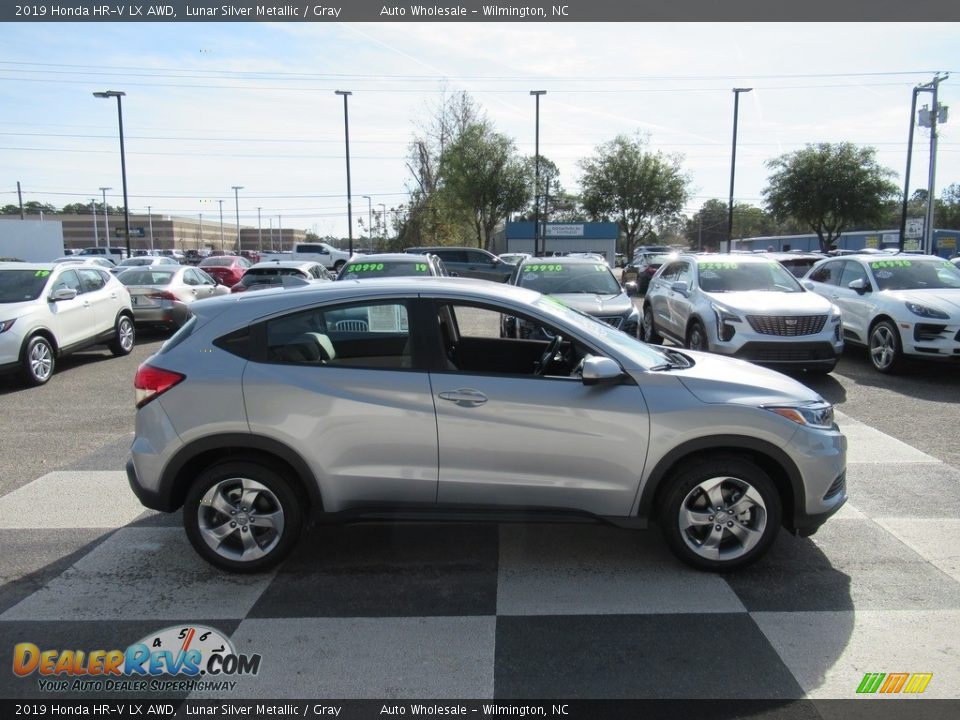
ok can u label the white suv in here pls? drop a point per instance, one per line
(48, 310)
(747, 306)
(896, 305)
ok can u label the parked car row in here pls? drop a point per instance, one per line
(750, 306)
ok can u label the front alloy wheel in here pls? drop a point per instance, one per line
(720, 514)
(697, 337)
(648, 330)
(885, 352)
(242, 517)
(38, 361)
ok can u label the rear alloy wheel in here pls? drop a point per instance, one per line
(38, 361)
(885, 352)
(648, 331)
(122, 343)
(242, 517)
(720, 513)
(697, 337)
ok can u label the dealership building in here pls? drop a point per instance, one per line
(159, 232)
(559, 238)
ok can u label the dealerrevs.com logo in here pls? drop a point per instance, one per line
(894, 683)
(198, 657)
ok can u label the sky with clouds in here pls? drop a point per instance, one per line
(213, 105)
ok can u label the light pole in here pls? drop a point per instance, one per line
(123, 162)
(200, 232)
(259, 231)
(280, 231)
(96, 232)
(236, 198)
(383, 219)
(733, 160)
(221, 225)
(536, 175)
(150, 223)
(346, 135)
(369, 216)
(106, 225)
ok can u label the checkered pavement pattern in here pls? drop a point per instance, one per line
(509, 611)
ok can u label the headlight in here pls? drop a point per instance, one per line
(815, 414)
(835, 314)
(725, 315)
(927, 312)
(6, 325)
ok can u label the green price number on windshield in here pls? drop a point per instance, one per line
(890, 264)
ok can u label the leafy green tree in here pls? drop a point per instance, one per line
(708, 226)
(948, 208)
(625, 182)
(829, 188)
(10, 210)
(482, 176)
(76, 209)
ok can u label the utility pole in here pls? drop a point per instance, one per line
(934, 112)
(20, 199)
(906, 180)
(93, 213)
(150, 221)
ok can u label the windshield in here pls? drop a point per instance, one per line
(559, 277)
(397, 268)
(914, 274)
(136, 262)
(647, 356)
(22, 285)
(145, 277)
(723, 276)
(215, 261)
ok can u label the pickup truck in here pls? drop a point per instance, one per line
(326, 255)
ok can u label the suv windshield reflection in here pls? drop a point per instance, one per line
(721, 277)
(915, 274)
(22, 285)
(558, 278)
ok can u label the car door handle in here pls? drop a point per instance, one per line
(464, 396)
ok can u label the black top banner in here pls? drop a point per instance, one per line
(484, 11)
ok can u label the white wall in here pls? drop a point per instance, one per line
(30, 240)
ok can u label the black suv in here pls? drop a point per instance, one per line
(468, 262)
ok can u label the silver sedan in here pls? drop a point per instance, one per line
(161, 294)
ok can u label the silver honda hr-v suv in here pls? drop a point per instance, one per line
(399, 397)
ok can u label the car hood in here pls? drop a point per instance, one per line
(946, 299)
(719, 379)
(596, 304)
(11, 311)
(758, 302)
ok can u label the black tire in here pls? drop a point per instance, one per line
(748, 520)
(125, 337)
(214, 502)
(697, 337)
(38, 361)
(648, 329)
(884, 349)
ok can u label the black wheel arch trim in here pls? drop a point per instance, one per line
(733, 444)
(172, 490)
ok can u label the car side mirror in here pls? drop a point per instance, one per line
(600, 371)
(631, 288)
(454, 273)
(680, 287)
(63, 294)
(497, 261)
(809, 286)
(860, 285)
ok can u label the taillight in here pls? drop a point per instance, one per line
(162, 295)
(151, 382)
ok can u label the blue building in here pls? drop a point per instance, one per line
(945, 242)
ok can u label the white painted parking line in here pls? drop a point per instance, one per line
(928, 538)
(71, 499)
(142, 573)
(868, 445)
(860, 642)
